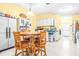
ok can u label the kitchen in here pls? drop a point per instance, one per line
(17, 17)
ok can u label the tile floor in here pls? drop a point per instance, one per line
(63, 47)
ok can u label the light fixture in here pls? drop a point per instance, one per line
(30, 13)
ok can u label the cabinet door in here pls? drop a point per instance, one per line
(3, 41)
(38, 23)
(44, 22)
(12, 28)
(3, 33)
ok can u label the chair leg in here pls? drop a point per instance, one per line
(22, 53)
(28, 51)
(16, 52)
(45, 51)
(34, 51)
(38, 51)
(41, 51)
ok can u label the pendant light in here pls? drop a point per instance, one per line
(30, 13)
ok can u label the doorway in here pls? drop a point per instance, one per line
(66, 27)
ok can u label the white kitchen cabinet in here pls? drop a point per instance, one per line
(3, 41)
(3, 33)
(45, 22)
(38, 23)
(7, 26)
(12, 28)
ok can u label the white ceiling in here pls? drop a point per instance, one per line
(55, 8)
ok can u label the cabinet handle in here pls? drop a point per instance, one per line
(6, 32)
(9, 32)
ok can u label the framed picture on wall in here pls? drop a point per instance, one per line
(24, 24)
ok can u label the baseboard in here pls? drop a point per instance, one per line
(6, 49)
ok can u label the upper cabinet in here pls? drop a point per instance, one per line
(45, 22)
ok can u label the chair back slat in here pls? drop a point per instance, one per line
(17, 37)
(42, 37)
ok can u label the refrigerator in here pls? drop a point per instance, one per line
(7, 26)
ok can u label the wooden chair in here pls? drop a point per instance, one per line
(20, 45)
(40, 43)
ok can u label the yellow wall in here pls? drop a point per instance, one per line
(11, 9)
(76, 17)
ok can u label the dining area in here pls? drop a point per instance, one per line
(30, 44)
(37, 34)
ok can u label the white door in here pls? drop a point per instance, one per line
(12, 28)
(66, 28)
(3, 33)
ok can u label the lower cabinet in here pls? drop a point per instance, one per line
(7, 27)
(3, 41)
(11, 41)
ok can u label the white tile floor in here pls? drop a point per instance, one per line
(64, 47)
